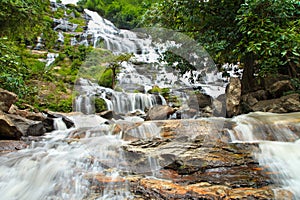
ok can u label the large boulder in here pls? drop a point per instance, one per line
(285, 104)
(27, 127)
(160, 112)
(8, 130)
(6, 100)
(200, 100)
(233, 97)
(280, 87)
(190, 161)
(35, 116)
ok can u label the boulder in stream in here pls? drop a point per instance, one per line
(160, 112)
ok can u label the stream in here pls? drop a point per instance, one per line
(101, 159)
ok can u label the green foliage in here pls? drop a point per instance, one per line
(106, 79)
(23, 19)
(270, 32)
(177, 62)
(125, 14)
(155, 90)
(100, 105)
(64, 105)
(13, 72)
(261, 34)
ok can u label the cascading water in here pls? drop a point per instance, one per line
(143, 72)
(88, 162)
(279, 148)
(119, 102)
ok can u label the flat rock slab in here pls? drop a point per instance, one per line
(7, 146)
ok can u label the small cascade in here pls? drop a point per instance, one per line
(60, 167)
(59, 124)
(261, 126)
(145, 130)
(119, 102)
(51, 58)
(277, 136)
(283, 160)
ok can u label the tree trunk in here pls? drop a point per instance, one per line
(248, 74)
(113, 78)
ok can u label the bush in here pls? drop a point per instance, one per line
(100, 105)
(106, 79)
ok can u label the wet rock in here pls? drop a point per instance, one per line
(161, 189)
(64, 25)
(200, 101)
(160, 112)
(233, 97)
(27, 127)
(51, 115)
(219, 108)
(193, 160)
(279, 88)
(110, 114)
(7, 146)
(6, 100)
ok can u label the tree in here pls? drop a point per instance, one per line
(261, 34)
(23, 19)
(115, 66)
(124, 14)
(270, 39)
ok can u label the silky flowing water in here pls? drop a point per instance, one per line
(66, 163)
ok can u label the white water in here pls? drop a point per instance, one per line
(60, 167)
(119, 102)
(144, 70)
(279, 147)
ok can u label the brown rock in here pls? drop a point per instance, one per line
(233, 97)
(26, 114)
(285, 104)
(7, 146)
(162, 189)
(8, 130)
(27, 127)
(199, 100)
(279, 88)
(6, 100)
(160, 112)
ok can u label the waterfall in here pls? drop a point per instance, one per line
(144, 70)
(119, 102)
(89, 161)
(59, 124)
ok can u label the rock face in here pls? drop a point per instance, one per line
(27, 127)
(15, 123)
(279, 88)
(199, 101)
(233, 97)
(193, 160)
(285, 104)
(270, 97)
(8, 130)
(15, 126)
(6, 100)
(160, 112)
